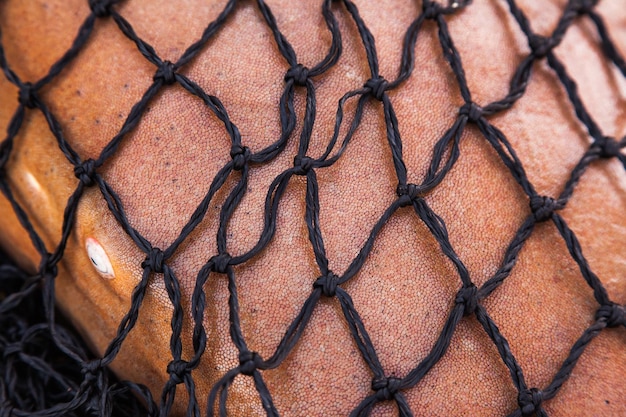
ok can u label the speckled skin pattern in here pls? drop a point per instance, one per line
(406, 287)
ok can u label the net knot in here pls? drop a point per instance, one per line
(377, 87)
(166, 73)
(241, 156)
(530, 401)
(92, 367)
(431, 9)
(27, 96)
(100, 8)
(86, 172)
(407, 193)
(584, 6)
(472, 111)
(154, 260)
(607, 147)
(328, 284)
(613, 313)
(221, 262)
(249, 362)
(543, 207)
(178, 369)
(298, 73)
(468, 296)
(386, 388)
(47, 266)
(540, 45)
(303, 164)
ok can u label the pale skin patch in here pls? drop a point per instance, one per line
(32, 183)
(99, 258)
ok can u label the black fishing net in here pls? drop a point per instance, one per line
(45, 369)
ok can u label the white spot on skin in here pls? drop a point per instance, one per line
(99, 258)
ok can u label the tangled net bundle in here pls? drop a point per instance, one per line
(45, 370)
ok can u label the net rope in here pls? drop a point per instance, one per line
(47, 371)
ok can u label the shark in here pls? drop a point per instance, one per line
(408, 285)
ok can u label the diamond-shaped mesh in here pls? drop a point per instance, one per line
(46, 371)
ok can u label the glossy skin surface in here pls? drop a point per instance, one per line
(406, 288)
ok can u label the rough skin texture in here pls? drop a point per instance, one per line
(406, 288)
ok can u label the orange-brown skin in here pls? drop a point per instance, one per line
(406, 288)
